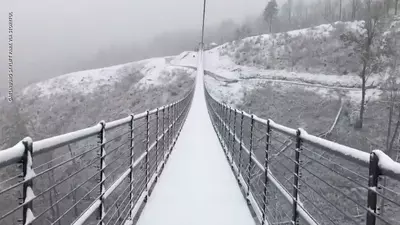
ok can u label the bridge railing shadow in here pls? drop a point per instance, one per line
(291, 177)
(99, 175)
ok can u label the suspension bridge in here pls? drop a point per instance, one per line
(195, 161)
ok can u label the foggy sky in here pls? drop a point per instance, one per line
(51, 33)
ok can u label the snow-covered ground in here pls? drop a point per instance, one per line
(156, 71)
(82, 81)
(240, 79)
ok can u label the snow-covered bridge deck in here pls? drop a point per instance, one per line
(197, 185)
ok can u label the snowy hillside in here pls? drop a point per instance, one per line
(314, 59)
(156, 71)
(312, 50)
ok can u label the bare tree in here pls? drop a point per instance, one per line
(290, 6)
(55, 208)
(73, 184)
(391, 51)
(329, 12)
(355, 7)
(387, 5)
(366, 47)
(392, 134)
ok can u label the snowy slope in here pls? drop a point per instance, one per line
(314, 50)
(221, 60)
(82, 81)
(156, 71)
(246, 64)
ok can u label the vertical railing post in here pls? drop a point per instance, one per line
(171, 137)
(181, 115)
(102, 140)
(210, 111)
(172, 127)
(226, 126)
(223, 123)
(28, 175)
(173, 122)
(220, 120)
(131, 177)
(229, 132)
(373, 178)
(234, 136)
(267, 144)
(240, 144)
(221, 128)
(169, 129)
(296, 176)
(212, 114)
(217, 117)
(163, 138)
(250, 164)
(215, 109)
(147, 156)
(157, 145)
(178, 117)
(183, 110)
(176, 121)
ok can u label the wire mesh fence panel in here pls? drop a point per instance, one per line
(289, 176)
(99, 175)
(389, 201)
(333, 189)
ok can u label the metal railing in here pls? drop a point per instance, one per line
(99, 175)
(291, 177)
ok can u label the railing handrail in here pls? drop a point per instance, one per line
(388, 166)
(13, 154)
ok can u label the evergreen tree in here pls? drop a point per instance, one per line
(270, 13)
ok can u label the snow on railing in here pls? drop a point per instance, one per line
(315, 181)
(123, 182)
